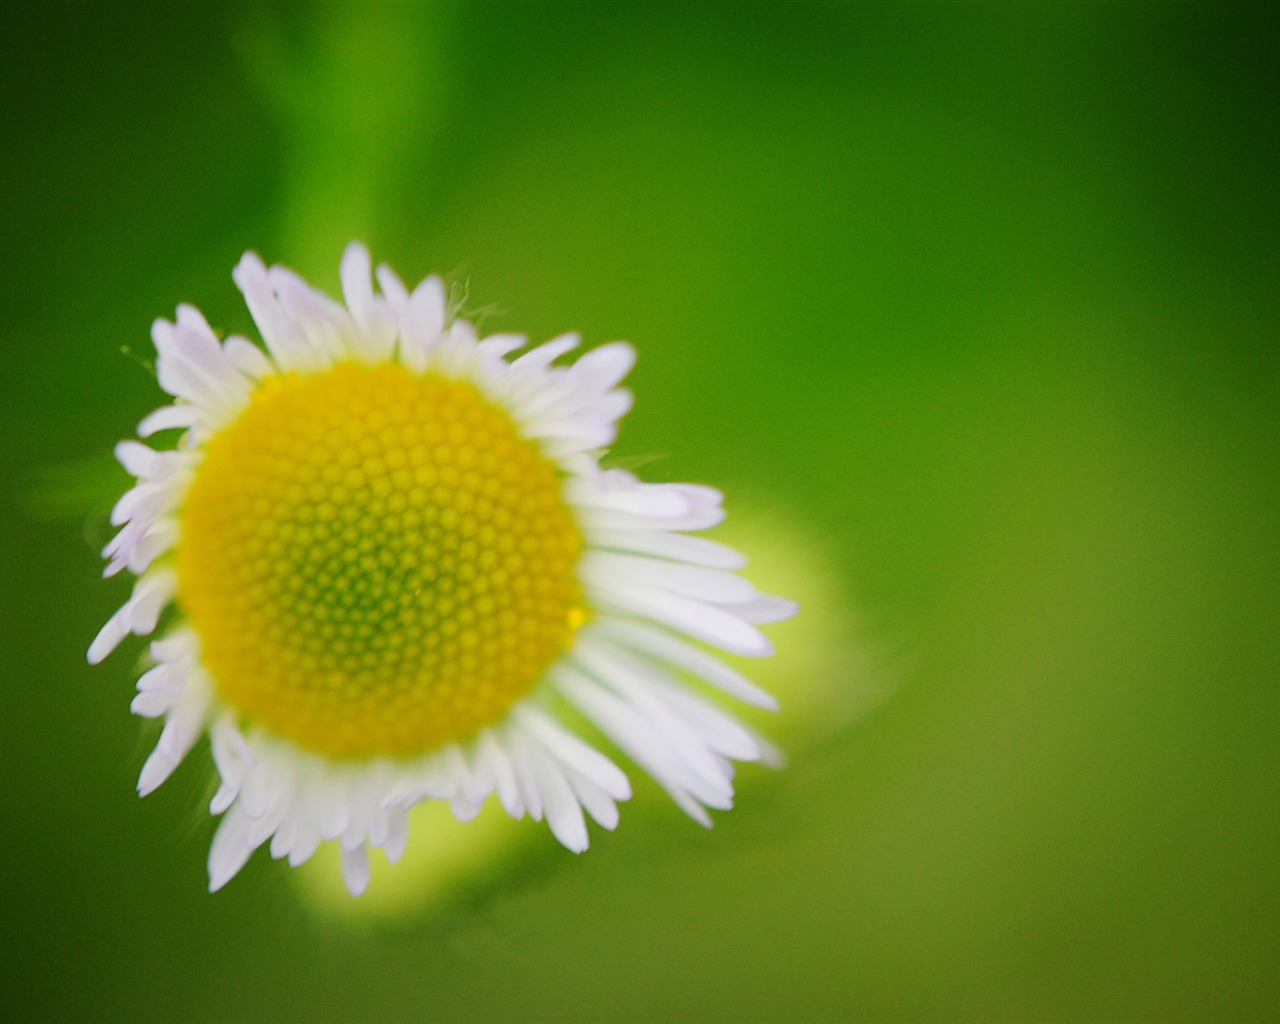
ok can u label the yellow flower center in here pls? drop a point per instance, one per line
(376, 562)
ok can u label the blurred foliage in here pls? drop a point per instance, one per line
(972, 311)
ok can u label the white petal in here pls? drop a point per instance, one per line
(526, 780)
(232, 845)
(138, 615)
(718, 731)
(495, 346)
(150, 596)
(674, 546)
(642, 742)
(502, 772)
(164, 678)
(658, 643)
(603, 368)
(248, 358)
(594, 800)
(356, 869)
(630, 572)
(139, 460)
(701, 517)
(397, 835)
(151, 704)
(571, 751)
(168, 417)
(150, 499)
(564, 813)
(305, 843)
(766, 608)
(323, 323)
(539, 358)
(159, 538)
(375, 333)
(637, 683)
(702, 621)
(355, 272)
(184, 724)
(155, 771)
(288, 347)
(429, 306)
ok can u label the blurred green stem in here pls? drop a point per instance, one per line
(359, 90)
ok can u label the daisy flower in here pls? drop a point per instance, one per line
(388, 562)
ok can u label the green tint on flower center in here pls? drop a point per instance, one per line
(375, 562)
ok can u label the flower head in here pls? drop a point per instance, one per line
(391, 551)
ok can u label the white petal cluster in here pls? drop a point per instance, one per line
(659, 597)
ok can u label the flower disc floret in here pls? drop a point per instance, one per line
(376, 562)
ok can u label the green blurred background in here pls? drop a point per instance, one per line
(970, 309)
